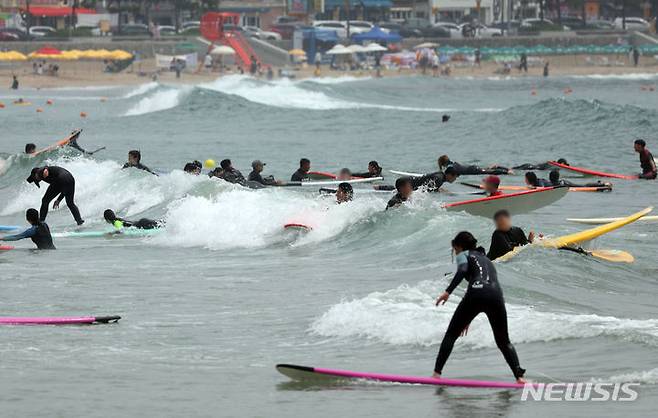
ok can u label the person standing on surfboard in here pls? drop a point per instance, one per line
(302, 172)
(484, 294)
(39, 232)
(464, 170)
(61, 183)
(506, 237)
(647, 162)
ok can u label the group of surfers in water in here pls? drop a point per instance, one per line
(484, 293)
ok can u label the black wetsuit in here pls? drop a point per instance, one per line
(542, 183)
(396, 200)
(138, 166)
(532, 167)
(266, 181)
(465, 170)
(432, 182)
(299, 175)
(483, 295)
(368, 174)
(39, 234)
(568, 183)
(648, 165)
(503, 242)
(143, 223)
(234, 176)
(61, 183)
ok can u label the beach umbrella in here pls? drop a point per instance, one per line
(120, 55)
(12, 56)
(222, 50)
(339, 49)
(357, 48)
(374, 47)
(430, 45)
(297, 52)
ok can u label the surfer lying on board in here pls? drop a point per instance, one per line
(257, 167)
(302, 172)
(120, 223)
(464, 170)
(506, 237)
(61, 183)
(135, 161)
(484, 294)
(531, 180)
(405, 189)
(554, 178)
(374, 170)
(647, 162)
(539, 166)
(31, 148)
(39, 232)
(226, 172)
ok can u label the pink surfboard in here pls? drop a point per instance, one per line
(6, 247)
(316, 373)
(49, 320)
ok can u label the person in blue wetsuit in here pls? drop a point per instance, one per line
(484, 294)
(120, 223)
(39, 232)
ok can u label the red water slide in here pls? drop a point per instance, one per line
(212, 28)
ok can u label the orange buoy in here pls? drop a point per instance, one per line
(83, 114)
(2, 105)
(49, 102)
(533, 92)
(39, 110)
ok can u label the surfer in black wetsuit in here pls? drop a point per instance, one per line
(193, 168)
(135, 161)
(554, 178)
(464, 170)
(257, 167)
(647, 162)
(120, 223)
(374, 170)
(539, 166)
(39, 232)
(484, 294)
(405, 188)
(532, 180)
(506, 237)
(344, 193)
(432, 182)
(226, 172)
(30, 148)
(302, 173)
(61, 183)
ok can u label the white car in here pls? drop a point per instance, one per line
(166, 30)
(258, 33)
(482, 31)
(190, 24)
(632, 23)
(359, 26)
(334, 25)
(41, 31)
(454, 29)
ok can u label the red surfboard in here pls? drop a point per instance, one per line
(592, 172)
(297, 227)
(6, 247)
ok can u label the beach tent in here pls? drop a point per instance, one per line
(376, 34)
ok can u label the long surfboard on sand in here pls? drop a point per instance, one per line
(578, 238)
(61, 143)
(58, 320)
(317, 374)
(514, 203)
(589, 172)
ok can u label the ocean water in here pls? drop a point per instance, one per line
(213, 303)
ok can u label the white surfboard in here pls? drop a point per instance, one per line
(333, 182)
(602, 221)
(405, 173)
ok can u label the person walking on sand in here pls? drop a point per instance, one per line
(14, 83)
(545, 68)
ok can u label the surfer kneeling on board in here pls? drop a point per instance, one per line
(484, 294)
(120, 223)
(374, 170)
(554, 178)
(405, 189)
(39, 232)
(506, 237)
(135, 161)
(491, 185)
(647, 162)
(444, 161)
(257, 167)
(61, 183)
(302, 172)
(532, 180)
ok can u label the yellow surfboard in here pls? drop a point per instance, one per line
(573, 240)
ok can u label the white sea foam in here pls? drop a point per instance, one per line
(407, 315)
(141, 89)
(158, 101)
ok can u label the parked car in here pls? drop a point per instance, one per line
(285, 19)
(8, 36)
(359, 26)
(286, 30)
(418, 27)
(258, 33)
(339, 27)
(166, 30)
(453, 28)
(600, 25)
(632, 23)
(134, 29)
(536, 25)
(20, 33)
(190, 24)
(390, 26)
(505, 26)
(573, 23)
(41, 31)
(478, 30)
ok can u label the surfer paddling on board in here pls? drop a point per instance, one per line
(554, 178)
(135, 161)
(531, 180)
(647, 162)
(120, 223)
(61, 183)
(506, 237)
(302, 172)
(539, 167)
(464, 170)
(344, 174)
(39, 232)
(405, 189)
(484, 294)
(374, 170)
(257, 167)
